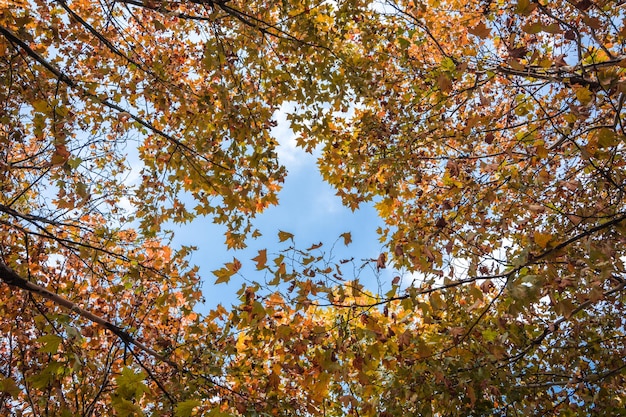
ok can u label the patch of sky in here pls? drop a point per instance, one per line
(308, 208)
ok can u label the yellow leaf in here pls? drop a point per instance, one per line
(222, 274)
(542, 239)
(282, 236)
(41, 106)
(583, 95)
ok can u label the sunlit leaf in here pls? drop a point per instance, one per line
(282, 236)
(261, 259)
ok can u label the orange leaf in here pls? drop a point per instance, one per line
(261, 259)
(542, 239)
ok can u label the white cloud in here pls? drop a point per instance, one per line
(289, 154)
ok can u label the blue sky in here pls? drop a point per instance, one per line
(308, 208)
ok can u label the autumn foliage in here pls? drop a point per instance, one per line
(488, 134)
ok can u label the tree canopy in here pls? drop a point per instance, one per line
(488, 134)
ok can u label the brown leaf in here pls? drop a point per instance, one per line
(457, 331)
(559, 61)
(453, 168)
(486, 286)
(60, 156)
(481, 30)
(315, 246)
(518, 52)
(444, 82)
(381, 262)
(570, 35)
(398, 251)
(429, 254)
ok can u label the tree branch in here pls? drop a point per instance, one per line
(567, 74)
(12, 279)
(533, 259)
(70, 82)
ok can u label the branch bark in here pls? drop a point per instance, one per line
(13, 279)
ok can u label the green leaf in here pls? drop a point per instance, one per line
(158, 25)
(525, 7)
(448, 64)
(436, 301)
(46, 376)
(125, 407)
(223, 275)
(606, 137)
(8, 386)
(74, 162)
(185, 408)
(50, 343)
(532, 28)
(82, 190)
(258, 309)
(404, 43)
(130, 383)
(490, 335)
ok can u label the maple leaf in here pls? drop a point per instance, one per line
(60, 155)
(261, 259)
(481, 30)
(542, 239)
(486, 134)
